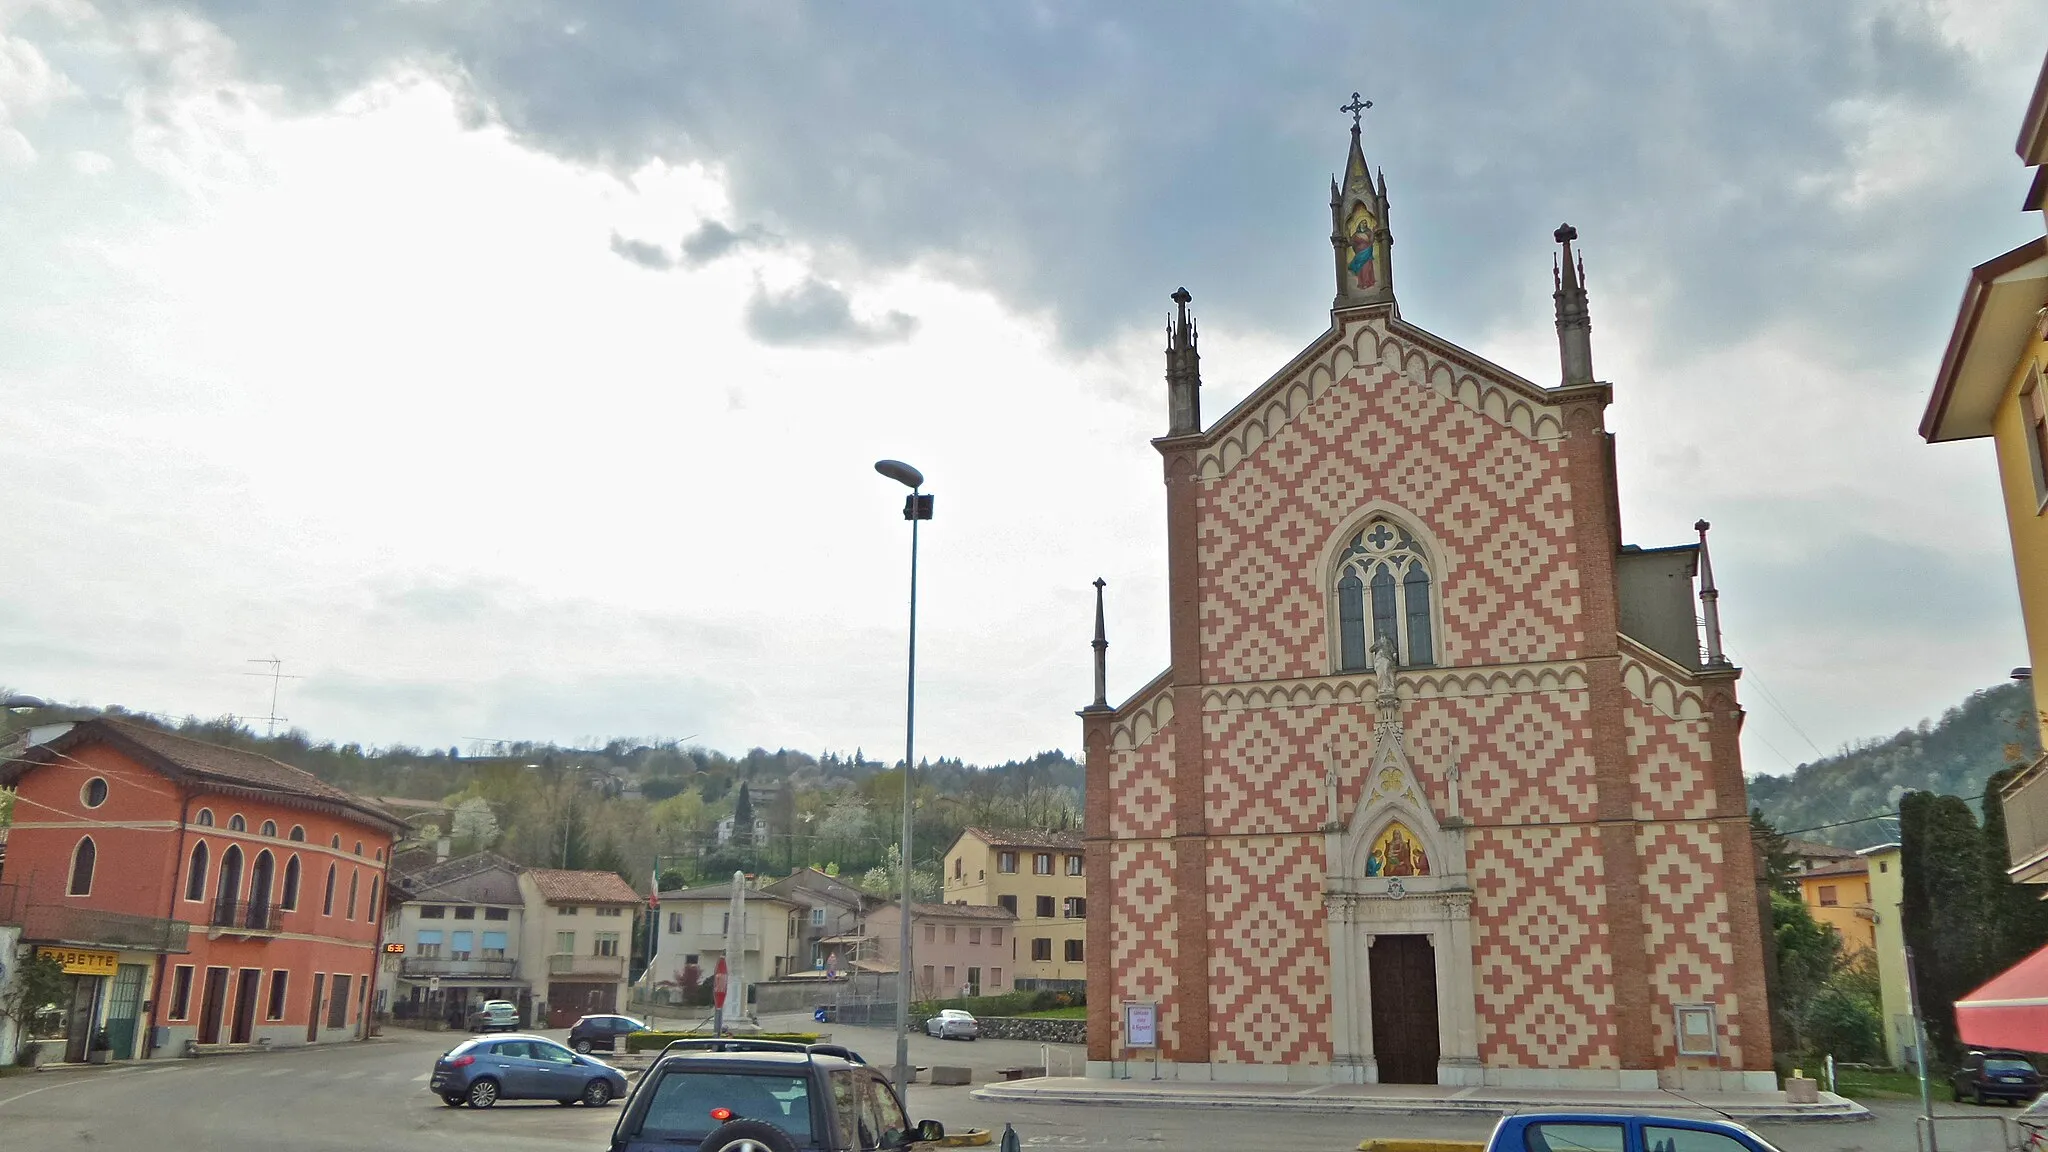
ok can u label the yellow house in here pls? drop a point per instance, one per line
(1040, 877)
(1887, 891)
(1993, 383)
(1838, 894)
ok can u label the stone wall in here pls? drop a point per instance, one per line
(1043, 1031)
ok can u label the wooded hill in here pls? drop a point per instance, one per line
(1952, 756)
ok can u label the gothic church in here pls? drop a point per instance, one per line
(1441, 784)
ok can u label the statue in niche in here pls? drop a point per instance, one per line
(1385, 659)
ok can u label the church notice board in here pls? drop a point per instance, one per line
(1141, 1025)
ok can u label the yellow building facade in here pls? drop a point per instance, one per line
(1041, 877)
(1838, 895)
(1887, 892)
(1993, 384)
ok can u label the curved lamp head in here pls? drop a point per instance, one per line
(901, 473)
(22, 702)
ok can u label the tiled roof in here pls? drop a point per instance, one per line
(1026, 838)
(1816, 849)
(561, 887)
(959, 912)
(205, 763)
(447, 872)
(1853, 867)
(722, 893)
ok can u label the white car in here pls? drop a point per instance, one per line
(953, 1023)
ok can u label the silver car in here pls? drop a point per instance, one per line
(953, 1024)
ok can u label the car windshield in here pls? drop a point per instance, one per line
(684, 1099)
(459, 1049)
(2006, 1064)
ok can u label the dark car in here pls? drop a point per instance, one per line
(763, 1096)
(602, 1031)
(482, 1072)
(1993, 1074)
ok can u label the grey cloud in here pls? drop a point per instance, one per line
(650, 256)
(816, 314)
(1086, 160)
(712, 240)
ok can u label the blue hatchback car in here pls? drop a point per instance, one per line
(483, 1071)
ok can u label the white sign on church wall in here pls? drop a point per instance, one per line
(1141, 1025)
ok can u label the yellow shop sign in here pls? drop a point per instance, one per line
(83, 961)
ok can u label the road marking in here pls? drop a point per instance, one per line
(347, 1075)
(274, 1072)
(422, 1078)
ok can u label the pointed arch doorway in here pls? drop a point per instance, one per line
(1405, 1036)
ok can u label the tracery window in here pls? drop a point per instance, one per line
(1383, 589)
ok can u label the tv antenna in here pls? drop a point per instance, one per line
(277, 674)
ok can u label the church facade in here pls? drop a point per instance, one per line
(1441, 784)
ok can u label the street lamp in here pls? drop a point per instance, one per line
(22, 703)
(916, 506)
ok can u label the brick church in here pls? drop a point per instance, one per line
(1441, 784)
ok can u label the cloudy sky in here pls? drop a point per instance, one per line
(515, 370)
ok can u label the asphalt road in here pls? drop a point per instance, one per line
(373, 1095)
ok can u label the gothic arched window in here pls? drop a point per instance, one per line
(1383, 589)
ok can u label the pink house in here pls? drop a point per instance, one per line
(955, 949)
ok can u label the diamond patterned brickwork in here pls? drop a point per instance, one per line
(1269, 767)
(1497, 502)
(1141, 789)
(1268, 956)
(1144, 930)
(1686, 933)
(1543, 969)
(1672, 762)
(1523, 757)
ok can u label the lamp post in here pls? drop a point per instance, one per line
(916, 506)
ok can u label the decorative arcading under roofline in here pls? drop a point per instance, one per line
(1664, 693)
(1147, 720)
(1368, 343)
(1416, 684)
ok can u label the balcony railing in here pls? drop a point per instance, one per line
(90, 927)
(2026, 822)
(232, 917)
(423, 966)
(605, 967)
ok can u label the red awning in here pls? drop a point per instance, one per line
(2011, 1011)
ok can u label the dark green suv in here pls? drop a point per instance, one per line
(764, 1096)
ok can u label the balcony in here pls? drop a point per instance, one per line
(593, 967)
(90, 927)
(245, 919)
(423, 967)
(2026, 823)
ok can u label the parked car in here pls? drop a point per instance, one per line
(494, 1016)
(482, 1072)
(763, 1096)
(602, 1031)
(1995, 1074)
(1615, 1132)
(953, 1023)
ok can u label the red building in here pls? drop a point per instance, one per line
(194, 893)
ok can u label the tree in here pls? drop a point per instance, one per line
(1808, 953)
(1944, 907)
(743, 817)
(475, 826)
(37, 989)
(886, 879)
(1781, 867)
(2015, 917)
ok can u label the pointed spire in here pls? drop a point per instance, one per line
(1574, 320)
(1183, 371)
(1101, 651)
(1710, 601)
(1358, 224)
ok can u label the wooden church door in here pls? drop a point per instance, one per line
(1404, 1021)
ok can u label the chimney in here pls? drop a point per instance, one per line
(1710, 602)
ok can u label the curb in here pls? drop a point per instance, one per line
(1848, 1112)
(968, 1138)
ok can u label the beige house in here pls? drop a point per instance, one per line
(582, 923)
(955, 949)
(1038, 877)
(693, 931)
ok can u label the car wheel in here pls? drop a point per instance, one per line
(747, 1136)
(597, 1094)
(582, 1047)
(451, 1099)
(483, 1094)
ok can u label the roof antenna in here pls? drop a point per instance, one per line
(276, 674)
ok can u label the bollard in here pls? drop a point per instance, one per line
(1010, 1142)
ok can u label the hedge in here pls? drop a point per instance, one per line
(1008, 1004)
(643, 1041)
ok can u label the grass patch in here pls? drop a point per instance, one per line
(1077, 1012)
(1863, 1084)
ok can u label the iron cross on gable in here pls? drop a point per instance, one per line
(1357, 109)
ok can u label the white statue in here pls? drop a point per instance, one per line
(1384, 660)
